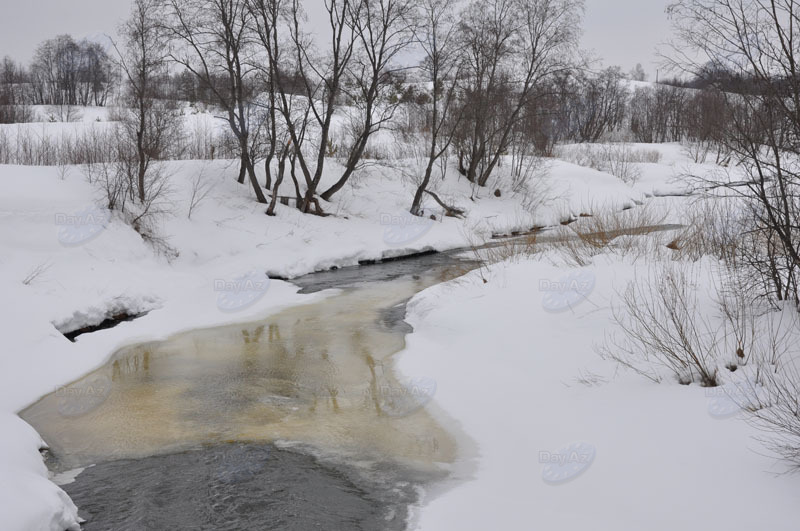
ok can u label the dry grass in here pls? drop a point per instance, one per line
(620, 159)
(635, 232)
(713, 227)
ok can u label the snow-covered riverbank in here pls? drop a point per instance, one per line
(64, 266)
(564, 440)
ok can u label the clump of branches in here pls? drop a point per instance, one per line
(661, 325)
(715, 226)
(754, 41)
(26, 146)
(118, 183)
(620, 159)
(631, 233)
(135, 182)
(657, 114)
(511, 50)
(781, 418)
(595, 104)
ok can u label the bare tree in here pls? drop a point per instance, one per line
(215, 37)
(13, 108)
(54, 71)
(756, 41)
(599, 104)
(657, 114)
(383, 28)
(353, 63)
(438, 40)
(637, 73)
(200, 190)
(143, 58)
(285, 137)
(320, 77)
(512, 46)
(96, 75)
(66, 72)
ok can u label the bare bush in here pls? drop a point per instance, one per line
(526, 167)
(200, 190)
(714, 227)
(204, 142)
(753, 333)
(504, 249)
(781, 418)
(140, 198)
(23, 145)
(64, 113)
(753, 43)
(662, 326)
(734, 230)
(620, 159)
(631, 233)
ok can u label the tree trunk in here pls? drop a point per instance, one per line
(350, 167)
(247, 166)
(268, 172)
(140, 153)
(278, 181)
(242, 170)
(417, 203)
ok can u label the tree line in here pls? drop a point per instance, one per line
(476, 81)
(292, 97)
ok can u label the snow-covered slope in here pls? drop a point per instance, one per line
(525, 383)
(64, 265)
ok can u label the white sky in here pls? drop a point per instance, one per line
(626, 32)
(621, 32)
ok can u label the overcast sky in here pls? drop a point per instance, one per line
(621, 32)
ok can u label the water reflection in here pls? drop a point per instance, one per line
(318, 374)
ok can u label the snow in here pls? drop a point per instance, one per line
(64, 265)
(523, 386)
(29, 499)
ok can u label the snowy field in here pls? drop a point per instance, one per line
(562, 439)
(517, 385)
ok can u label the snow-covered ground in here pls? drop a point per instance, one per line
(565, 440)
(64, 265)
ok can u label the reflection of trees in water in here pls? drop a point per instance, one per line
(292, 358)
(250, 351)
(359, 344)
(136, 361)
(252, 338)
(317, 374)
